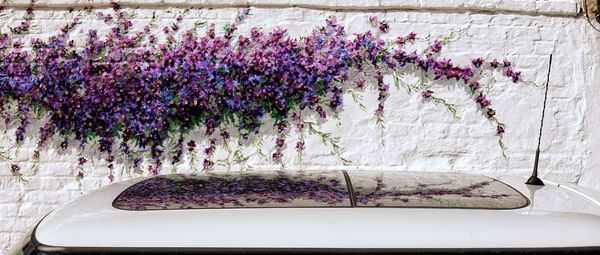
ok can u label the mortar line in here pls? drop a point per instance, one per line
(430, 9)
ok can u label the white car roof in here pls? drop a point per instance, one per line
(556, 217)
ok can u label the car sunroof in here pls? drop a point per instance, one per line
(237, 190)
(320, 189)
(432, 190)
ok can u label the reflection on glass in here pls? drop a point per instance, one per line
(445, 190)
(233, 190)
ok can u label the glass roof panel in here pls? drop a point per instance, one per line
(437, 190)
(237, 190)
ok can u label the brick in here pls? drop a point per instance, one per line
(419, 135)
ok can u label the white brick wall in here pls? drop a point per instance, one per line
(420, 136)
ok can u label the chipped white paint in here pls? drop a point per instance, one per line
(419, 136)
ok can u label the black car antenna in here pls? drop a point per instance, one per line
(534, 180)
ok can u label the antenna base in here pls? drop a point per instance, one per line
(534, 180)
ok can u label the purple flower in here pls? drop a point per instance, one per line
(400, 40)
(279, 142)
(115, 5)
(482, 101)
(380, 110)
(207, 164)
(383, 27)
(373, 20)
(64, 144)
(6, 117)
(300, 145)
(436, 46)
(15, 169)
(477, 62)
(427, 94)
(191, 145)
(137, 162)
(80, 175)
(360, 83)
(277, 156)
(36, 154)
(225, 135)
(500, 129)
(494, 63)
(490, 113)
(516, 76)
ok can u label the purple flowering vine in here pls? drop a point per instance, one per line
(130, 93)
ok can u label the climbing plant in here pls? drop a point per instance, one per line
(125, 94)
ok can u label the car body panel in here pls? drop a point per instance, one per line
(556, 217)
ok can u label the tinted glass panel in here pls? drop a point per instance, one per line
(446, 190)
(240, 189)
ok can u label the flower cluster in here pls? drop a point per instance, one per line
(25, 25)
(129, 92)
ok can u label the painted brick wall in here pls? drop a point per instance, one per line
(419, 136)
